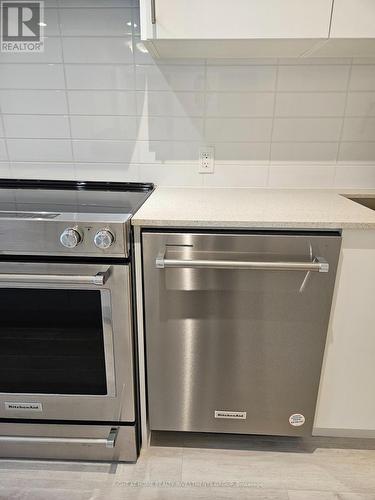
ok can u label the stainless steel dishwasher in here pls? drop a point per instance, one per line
(236, 325)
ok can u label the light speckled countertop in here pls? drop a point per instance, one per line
(253, 208)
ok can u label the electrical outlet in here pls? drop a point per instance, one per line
(206, 160)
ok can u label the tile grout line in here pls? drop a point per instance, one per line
(340, 138)
(5, 138)
(138, 118)
(66, 94)
(273, 124)
(204, 131)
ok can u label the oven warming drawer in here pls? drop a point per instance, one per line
(236, 326)
(68, 442)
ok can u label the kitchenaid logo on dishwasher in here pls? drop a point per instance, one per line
(23, 406)
(22, 25)
(237, 415)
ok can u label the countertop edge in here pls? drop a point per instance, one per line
(250, 224)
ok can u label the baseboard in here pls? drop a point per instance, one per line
(345, 433)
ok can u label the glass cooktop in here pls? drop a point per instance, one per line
(25, 196)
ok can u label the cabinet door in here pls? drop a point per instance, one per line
(353, 19)
(239, 19)
(346, 404)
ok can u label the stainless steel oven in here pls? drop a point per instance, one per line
(68, 380)
(66, 343)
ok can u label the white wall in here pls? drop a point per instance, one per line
(95, 105)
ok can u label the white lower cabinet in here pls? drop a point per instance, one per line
(346, 404)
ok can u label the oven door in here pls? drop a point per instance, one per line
(66, 342)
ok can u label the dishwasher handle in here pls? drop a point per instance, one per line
(318, 264)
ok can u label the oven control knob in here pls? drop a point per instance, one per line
(104, 239)
(70, 238)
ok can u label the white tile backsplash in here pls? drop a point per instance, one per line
(313, 78)
(310, 104)
(5, 171)
(154, 103)
(240, 104)
(34, 150)
(362, 77)
(102, 103)
(33, 102)
(105, 151)
(241, 78)
(95, 105)
(31, 76)
(155, 128)
(121, 172)
(51, 54)
(97, 3)
(104, 127)
(37, 126)
(98, 50)
(172, 175)
(304, 152)
(172, 78)
(361, 104)
(96, 22)
(306, 129)
(358, 129)
(357, 176)
(168, 151)
(305, 176)
(3, 151)
(238, 129)
(235, 152)
(99, 76)
(354, 152)
(239, 176)
(40, 170)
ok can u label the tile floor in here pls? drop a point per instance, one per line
(206, 467)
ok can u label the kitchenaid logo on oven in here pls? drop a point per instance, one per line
(236, 415)
(22, 25)
(15, 406)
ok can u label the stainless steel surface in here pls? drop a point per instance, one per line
(118, 404)
(69, 355)
(108, 442)
(42, 236)
(103, 239)
(318, 264)
(244, 343)
(153, 11)
(68, 442)
(98, 279)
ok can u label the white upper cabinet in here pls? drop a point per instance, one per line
(353, 19)
(258, 28)
(236, 28)
(352, 30)
(241, 19)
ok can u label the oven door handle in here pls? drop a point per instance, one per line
(318, 264)
(108, 442)
(98, 279)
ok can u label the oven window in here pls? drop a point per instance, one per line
(51, 342)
